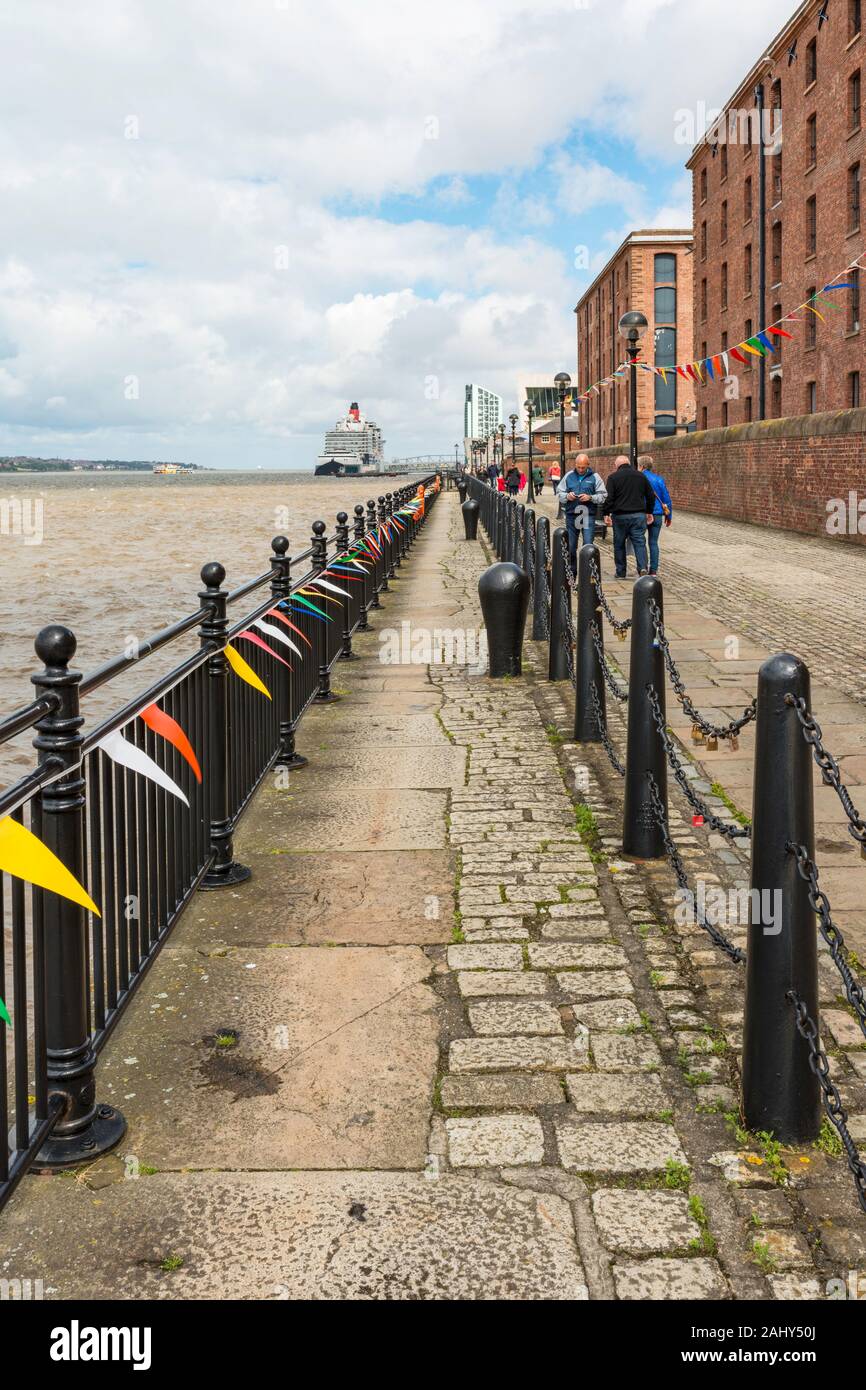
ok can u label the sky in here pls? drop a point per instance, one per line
(220, 223)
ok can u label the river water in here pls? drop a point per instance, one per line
(118, 555)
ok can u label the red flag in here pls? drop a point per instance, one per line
(738, 355)
(259, 642)
(169, 729)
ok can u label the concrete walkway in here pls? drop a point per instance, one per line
(446, 1044)
(734, 595)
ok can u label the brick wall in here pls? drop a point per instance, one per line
(779, 473)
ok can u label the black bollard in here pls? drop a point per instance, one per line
(781, 1093)
(557, 664)
(589, 673)
(641, 834)
(461, 489)
(504, 593)
(539, 587)
(470, 510)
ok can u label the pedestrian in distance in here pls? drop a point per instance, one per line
(538, 478)
(581, 493)
(512, 481)
(492, 473)
(554, 474)
(663, 510)
(630, 503)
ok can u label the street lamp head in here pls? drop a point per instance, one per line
(633, 325)
(513, 418)
(562, 382)
(527, 406)
(501, 428)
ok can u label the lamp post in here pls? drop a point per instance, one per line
(632, 327)
(562, 382)
(530, 489)
(502, 447)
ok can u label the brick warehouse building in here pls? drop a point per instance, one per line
(808, 84)
(651, 271)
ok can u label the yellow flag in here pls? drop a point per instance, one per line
(246, 673)
(23, 855)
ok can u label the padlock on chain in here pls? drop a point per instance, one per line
(697, 734)
(712, 743)
(620, 635)
(734, 743)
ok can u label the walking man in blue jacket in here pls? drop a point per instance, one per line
(581, 492)
(662, 511)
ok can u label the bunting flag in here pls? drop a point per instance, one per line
(243, 671)
(277, 636)
(128, 755)
(4, 1014)
(23, 855)
(259, 642)
(323, 583)
(311, 607)
(276, 613)
(162, 724)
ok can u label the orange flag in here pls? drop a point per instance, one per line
(169, 729)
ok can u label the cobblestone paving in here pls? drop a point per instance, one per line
(592, 1045)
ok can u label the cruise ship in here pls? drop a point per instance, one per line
(352, 447)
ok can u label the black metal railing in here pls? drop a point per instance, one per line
(136, 848)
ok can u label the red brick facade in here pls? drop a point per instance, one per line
(778, 473)
(635, 279)
(813, 222)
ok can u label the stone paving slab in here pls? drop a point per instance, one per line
(629, 1147)
(662, 1279)
(278, 1236)
(643, 1223)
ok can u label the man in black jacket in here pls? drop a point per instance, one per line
(630, 502)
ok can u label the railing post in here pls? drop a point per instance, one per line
(324, 694)
(346, 653)
(526, 541)
(557, 666)
(385, 546)
(371, 526)
(393, 547)
(84, 1129)
(223, 872)
(363, 623)
(641, 834)
(781, 1093)
(539, 588)
(589, 673)
(281, 586)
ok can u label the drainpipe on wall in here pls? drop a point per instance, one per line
(762, 250)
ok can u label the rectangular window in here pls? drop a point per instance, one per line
(748, 355)
(777, 342)
(812, 141)
(854, 198)
(811, 62)
(703, 417)
(777, 253)
(854, 101)
(724, 220)
(811, 321)
(703, 241)
(854, 389)
(665, 347)
(666, 269)
(665, 307)
(811, 226)
(724, 157)
(777, 177)
(747, 408)
(747, 200)
(545, 439)
(665, 424)
(747, 269)
(854, 18)
(853, 278)
(776, 398)
(724, 414)
(703, 185)
(811, 397)
(704, 298)
(724, 284)
(666, 392)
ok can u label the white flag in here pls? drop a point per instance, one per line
(325, 585)
(121, 751)
(277, 635)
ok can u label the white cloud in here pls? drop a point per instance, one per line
(229, 255)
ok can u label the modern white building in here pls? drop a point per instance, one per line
(482, 412)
